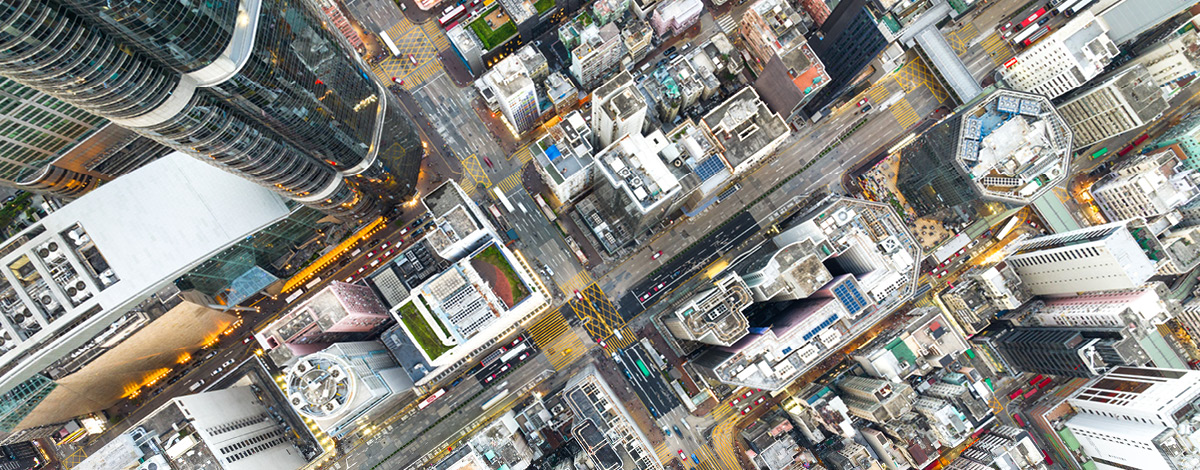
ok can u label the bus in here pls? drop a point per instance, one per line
(387, 40)
(432, 398)
(513, 352)
(450, 15)
(1071, 6)
(313, 283)
(1031, 36)
(1028, 20)
(496, 399)
(503, 199)
(642, 367)
(295, 295)
(1008, 227)
(1099, 153)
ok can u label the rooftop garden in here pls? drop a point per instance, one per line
(495, 269)
(493, 28)
(422, 332)
(543, 6)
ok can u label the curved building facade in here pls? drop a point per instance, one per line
(257, 87)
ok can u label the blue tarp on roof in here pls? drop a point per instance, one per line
(553, 152)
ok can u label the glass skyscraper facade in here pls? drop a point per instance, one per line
(259, 87)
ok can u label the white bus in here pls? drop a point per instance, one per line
(503, 199)
(513, 352)
(496, 399)
(1008, 227)
(391, 45)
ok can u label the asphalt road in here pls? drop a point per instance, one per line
(653, 392)
(497, 371)
(541, 242)
(449, 108)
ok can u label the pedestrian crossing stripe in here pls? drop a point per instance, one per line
(548, 328)
(878, 93)
(579, 281)
(468, 186)
(511, 182)
(904, 113)
(523, 154)
(624, 340)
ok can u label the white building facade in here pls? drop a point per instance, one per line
(1065, 59)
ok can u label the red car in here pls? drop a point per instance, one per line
(746, 410)
(682, 456)
(578, 295)
(488, 161)
(656, 255)
(760, 400)
(735, 402)
(747, 395)
(862, 102)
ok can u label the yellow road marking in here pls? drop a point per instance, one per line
(511, 182)
(904, 113)
(475, 170)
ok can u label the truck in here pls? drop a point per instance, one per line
(512, 235)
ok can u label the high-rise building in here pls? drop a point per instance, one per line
(267, 93)
(789, 72)
(1127, 100)
(564, 157)
(639, 39)
(89, 290)
(672, 17)
(746, 131)
(1058, 351)
(595, 50)
(634, 190)
(715, 315)
(345, 384)
(851, 40)
(52, 147)
(604, 428)
(512, 90)
(1172, 60)
(339, 312)
(1065, 59)
(1104, 257)
(875, 399)
(618, 109)
(1136, 417)
(1148, 186)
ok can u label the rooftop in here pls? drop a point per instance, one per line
(604, 427)
(743, 126)
(717, 314)
(632, 165)
(566, 150)
(1013, 146)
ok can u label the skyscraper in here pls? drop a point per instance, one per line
(259, 88)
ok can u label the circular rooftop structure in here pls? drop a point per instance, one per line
(320, 385)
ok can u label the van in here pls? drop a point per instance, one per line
(196, 385)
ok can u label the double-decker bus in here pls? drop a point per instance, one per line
(451, 14)
(513, 352)
(432, 398)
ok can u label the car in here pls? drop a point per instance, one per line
(655, 289)
(374, 263)
(682, 456)
(419, 231)
(661, 284)
(361, 269)
(431, 226)
(646, 296)
(676, 429)
(372, 253)
(489, 378)
(578, 295)
(862, 102)
(656, 255)
(602, 345)
(388, 253)
(522, 356)
(488, 161)
(227, 363)
(247, 339)
(669, 51)
(416, 222)
(747, 395)
(516, 341)
(404, 230)
(746, 410)
(412, 59)
(760, 400)
(666, 431)
(942, 274)
(349, 279)
(504, 368)
(694, 459)
(735, 402)
(216, 371)
(385, 245)
(398, 81)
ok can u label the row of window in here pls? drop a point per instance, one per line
(252, 441)
(238, 424)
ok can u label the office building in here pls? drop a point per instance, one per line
(705, 174)
(1147, 186)
(1138, 418)
(634, 190)
(328, 136)
(927, 343)
(595, 50)
(811, 312)
(1013, 146)
(236, 428)
(1099, 258)
(84, 285)
(512, 91)
(1065, 59)
(1127, 20)
(1172, 60)
(618, 109)
(338, 313)
(604, 428)
(673, 17)
(981, 293)
(789, 72)
(347, 384)
(1068, 352)
(715, 315)
(52, 147)
(876, 400)
(333, 11)
(1126, 101)
(851, 39)
(1148, 305)
(564, 158)
(468, 47)
(747, 133)
(562, 92)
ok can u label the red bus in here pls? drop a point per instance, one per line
(1031, 18)
(1017, 418)
(1036, 36)
(451, 14)
(1035, 379)
(432, 398)
(1046, 381)
(1030, 393)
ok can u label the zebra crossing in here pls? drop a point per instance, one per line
(579, 281)
(727, 23)
(436, 36)
(513, 181)
(904, 113)
(561, 344)
(523, 155)
(623, 341)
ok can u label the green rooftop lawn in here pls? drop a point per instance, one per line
(422, 331)
(493, 37)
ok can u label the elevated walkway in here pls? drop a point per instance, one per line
(937, 53)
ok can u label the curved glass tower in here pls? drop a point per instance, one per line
(258, 87)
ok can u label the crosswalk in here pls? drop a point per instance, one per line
(579, 281)
(904, 113)
(561, 344)
(523, 155)
(422, 74)
(727, 23)
(624, 340)
(961, 38)
(915, 74)
(468, 186)
(709, 460)
(878, 93)
(511, 182)
(997, 48)
(436, 36)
